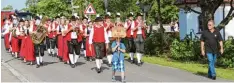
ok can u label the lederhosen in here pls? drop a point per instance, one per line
(139, 39)
(51, 43)
(74, 44)
(39, 48)
(131, 44)
(99, 41)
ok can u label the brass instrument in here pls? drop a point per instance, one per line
(40, 33)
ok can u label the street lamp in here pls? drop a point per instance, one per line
(144, 8)
(106, 5)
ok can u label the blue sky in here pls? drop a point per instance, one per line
(16, 4)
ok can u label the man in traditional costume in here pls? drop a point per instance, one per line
(98, 37)
(129, 31)
(38, 48)
(51, 38)
(73, 42)
(138, 27)
(83, 26)
(108, 26)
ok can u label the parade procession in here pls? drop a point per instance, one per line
(65, 38)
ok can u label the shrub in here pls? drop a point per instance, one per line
(186, 50)
(227, 59)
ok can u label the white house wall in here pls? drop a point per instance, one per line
(189, 21)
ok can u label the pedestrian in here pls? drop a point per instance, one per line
(6, 33)
(51, 38)
(99, 38)
(38, 48)
(139, 27)
(90, 53)
(73, 41)
(83, 26)
(212, 46)
(129, 32)
(118, 49)
(108, 26)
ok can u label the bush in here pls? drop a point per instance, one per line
(158, 43)
(227, 59)
(189, 50)
(186, 50)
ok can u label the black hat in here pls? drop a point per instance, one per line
(57, 17)
(98, 19)
(139, 14)
(130, 14)
(21, 20)
(73, 18)
(37, 18)
(84, 17)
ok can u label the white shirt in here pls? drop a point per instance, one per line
(139, 31)
(6, 27)
(126, 26)
(92, 34)
(73, 33)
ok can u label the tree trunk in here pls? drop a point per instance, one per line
(206, 15)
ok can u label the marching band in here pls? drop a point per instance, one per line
(66, 37)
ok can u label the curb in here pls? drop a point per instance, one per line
(14, 72)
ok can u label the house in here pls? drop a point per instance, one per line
(189, 23)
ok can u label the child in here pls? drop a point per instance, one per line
(118, 49)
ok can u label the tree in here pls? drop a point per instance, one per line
(208, 8)
(8, 7)
(50, 8)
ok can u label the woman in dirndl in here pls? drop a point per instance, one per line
(90, 54)
(118, 49)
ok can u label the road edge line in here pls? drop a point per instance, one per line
(14, 72)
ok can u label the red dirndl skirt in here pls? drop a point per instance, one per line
(60, 46)
(89, 53)
(23, 48)
(29, 52)
(15, 44)
(65, 50)
(6, 40)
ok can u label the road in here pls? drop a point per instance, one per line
(55, 71)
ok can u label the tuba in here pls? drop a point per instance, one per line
(40, 34)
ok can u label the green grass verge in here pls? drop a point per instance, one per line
(199, 69)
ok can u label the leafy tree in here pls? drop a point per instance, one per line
(208, 8)
(8, 7)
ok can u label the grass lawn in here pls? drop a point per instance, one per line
(195, 68)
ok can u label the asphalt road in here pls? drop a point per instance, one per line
(56, 71)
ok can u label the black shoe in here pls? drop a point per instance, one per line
(60, 59)
(109, 65)
(42, 63)
(37, 66)
(55, 55)
(99, 70)
(49, 54)
(132, 61)
(213, 78)
(139, 64)
(72, 65)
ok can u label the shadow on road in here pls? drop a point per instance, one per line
(102, 68)
(9, 60)
(79, 63)
(202, 74)
(48, 63)
(118, 78)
